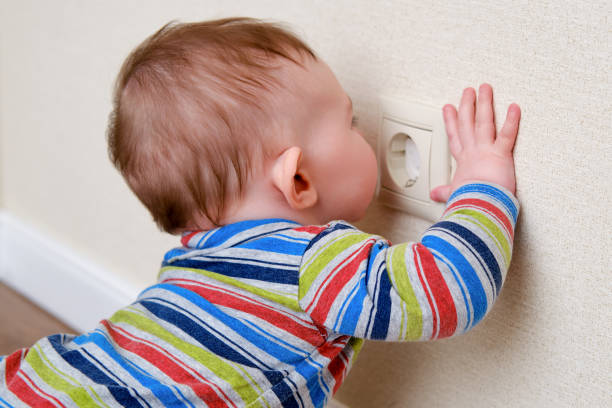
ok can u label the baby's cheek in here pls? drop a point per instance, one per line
(372, 168)
(368, 170)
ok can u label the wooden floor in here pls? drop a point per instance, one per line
(22, 322)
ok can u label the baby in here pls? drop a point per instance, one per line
(236, 135)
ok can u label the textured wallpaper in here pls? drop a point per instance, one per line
(546, 343)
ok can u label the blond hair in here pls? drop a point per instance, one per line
(190, 105)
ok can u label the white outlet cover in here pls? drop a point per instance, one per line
(424, 125)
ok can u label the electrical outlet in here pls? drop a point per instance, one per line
(413, 157)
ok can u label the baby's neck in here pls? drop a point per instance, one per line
(260, 200)
(263, 200)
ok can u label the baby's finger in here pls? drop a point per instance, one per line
(507, 135)
(466, 117)
(440, 194)
(485, 121)
(450, 122)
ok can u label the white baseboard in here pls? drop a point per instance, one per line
(75, 290)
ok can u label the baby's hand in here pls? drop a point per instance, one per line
(481, 153)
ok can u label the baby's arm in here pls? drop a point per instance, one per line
(358, 284)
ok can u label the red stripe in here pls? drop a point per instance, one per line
(424, 286)
(338, 366)
(148, 351)
(331, 349)
(12, 364)
(316, 337)
(337, 281)
(440, 294)
(46, 398)
(186, 238)
(20, 388)
(486, 207)
(311, 229)
(233, 300)
(331, 274)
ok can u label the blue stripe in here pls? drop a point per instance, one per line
(355, 310)
(273, 244)
(5, 402)
(479, 246)
(204, 235)
(286, 274)
(205, 258)
(316, 393)
(76, 360)
(314, 388)
(132, 389)
(214, 342)
(185, 399)
(221, 235)
(383, 306)
(468, 307)
(372, 296)
(175, 252)
(305, 354)
(307, 357)
(263, 234)
(494, 192)
(304, 240)
(325, 232)
(469, 276)
(161, 391)
(376, 294)
(287, 396)
(205, 334)
(351, 308)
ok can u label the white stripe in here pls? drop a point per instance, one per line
(332, 270)
(73, 382)
(35, 389)
(488, 285)
(112, 372)
(466, 301)
(234, 292)
(188, 359)
(421, 271)
(190, 370)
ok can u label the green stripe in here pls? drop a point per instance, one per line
(492, 231)
(399, 275)
(77, 393)
(321, 259)
(210, 360)
(356, 344)
(289, 300)
(74, 380)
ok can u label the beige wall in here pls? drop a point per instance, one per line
(546, 343)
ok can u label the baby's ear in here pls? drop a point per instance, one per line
(293, 180)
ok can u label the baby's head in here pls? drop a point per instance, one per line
(219, 121)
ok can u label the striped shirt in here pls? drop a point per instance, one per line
(268, 313)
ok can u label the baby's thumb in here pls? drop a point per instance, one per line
(440, 193)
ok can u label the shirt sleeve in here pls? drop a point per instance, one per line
(358, 284)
